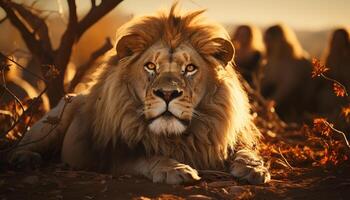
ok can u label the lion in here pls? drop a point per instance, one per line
(248, 43)
(166, 104)
(287, 74)
(338, 55)
(337, 59)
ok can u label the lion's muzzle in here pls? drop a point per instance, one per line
(168, 112)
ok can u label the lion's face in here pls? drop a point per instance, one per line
(170, 83)
(169, 88)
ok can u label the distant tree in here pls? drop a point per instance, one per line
(35, 33)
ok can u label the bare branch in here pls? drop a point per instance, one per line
(29, 38)
(37, 24)
(95, 14)
(68, 38)
(90, 63)
(63, 53)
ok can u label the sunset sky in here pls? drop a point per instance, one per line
(300, 14)
(305, 14)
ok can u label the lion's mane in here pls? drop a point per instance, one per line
(223, 123)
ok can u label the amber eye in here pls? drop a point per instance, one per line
(150, 67)
(190, 69)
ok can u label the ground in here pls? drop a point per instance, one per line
(57, 182)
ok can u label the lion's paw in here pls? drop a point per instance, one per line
(175, 174)
(248, 166)
(25, 159)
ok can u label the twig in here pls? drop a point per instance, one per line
(24, 113)
(284, 158)
(21, 67)
(14, 96)
(335, 81)
(340, 132)
(4, 86)
(43, 137)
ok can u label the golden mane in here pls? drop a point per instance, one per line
(224, 122)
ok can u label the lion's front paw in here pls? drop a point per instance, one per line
(174, 173)
(25, 159)
(248, 166)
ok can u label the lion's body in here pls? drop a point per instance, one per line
(287, 74)
(116, 125)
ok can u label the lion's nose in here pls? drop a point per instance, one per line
(167, 95)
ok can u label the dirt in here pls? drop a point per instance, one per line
(55, 182)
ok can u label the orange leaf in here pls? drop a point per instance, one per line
(318, 68)
(339, 90)
(345, 111)
(321, 125)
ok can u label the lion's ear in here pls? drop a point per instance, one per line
(225, 51)
(128, 45)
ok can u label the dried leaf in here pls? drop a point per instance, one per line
(339, 90)
(318, 69)
(322, 126)
(345, 111)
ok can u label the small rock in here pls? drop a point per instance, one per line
(141, 198)
(199, 197)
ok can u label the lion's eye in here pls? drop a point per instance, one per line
(150, 67)
(190, 69)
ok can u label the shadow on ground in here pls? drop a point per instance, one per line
(54, 182)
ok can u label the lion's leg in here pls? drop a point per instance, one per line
(248, 165)
(162, 170)
(44, 137)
